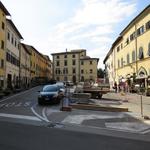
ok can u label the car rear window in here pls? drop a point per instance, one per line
(50, 89)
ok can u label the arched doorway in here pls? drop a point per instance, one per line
(141, 78)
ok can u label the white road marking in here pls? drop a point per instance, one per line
(16, 104)
(9, 104)
(19, 104)
(20, 117)
(39, 116)
(44, 114)
(52, 110)
(78, 119)
(147, 131)
(128, 126)
(27, 104)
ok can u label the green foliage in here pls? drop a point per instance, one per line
(100, 73)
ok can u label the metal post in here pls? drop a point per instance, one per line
(141, 106)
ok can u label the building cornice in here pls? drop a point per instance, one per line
(14, 27)
(70, 52)
(147, 9)
(4, 9)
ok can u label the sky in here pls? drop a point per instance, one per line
(53, 26)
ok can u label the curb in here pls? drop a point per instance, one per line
(98, 108)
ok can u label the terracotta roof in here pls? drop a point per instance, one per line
(89, 58)
(29, 47)
(4, 9)
(26, 49)
(70, 52)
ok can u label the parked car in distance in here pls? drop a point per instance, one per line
(61, 86)
(68, 83)
(50, 94)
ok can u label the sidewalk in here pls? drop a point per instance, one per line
(130, 101)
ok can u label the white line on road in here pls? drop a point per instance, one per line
(20, 117)
(39, 116)
(147, 131)
(44, 115)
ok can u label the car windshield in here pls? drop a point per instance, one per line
(50, 89)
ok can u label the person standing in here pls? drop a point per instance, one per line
(115, 86)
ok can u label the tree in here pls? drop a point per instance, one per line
(100, 73)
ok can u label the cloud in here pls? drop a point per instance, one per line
(92, 26)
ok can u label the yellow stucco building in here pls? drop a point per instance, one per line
(3, 13)
(40, 68)
(129, 56)
(74, 66)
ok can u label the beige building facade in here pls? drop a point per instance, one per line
(130, 53)
(74, 66)
(3, 13)
(40, 66)
(49, 69)
(12, 55)
(25, 59)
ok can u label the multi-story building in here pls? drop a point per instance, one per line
(49, 73)
(25, 74)
(3, 13)
(74, 66)
(12, 54)
(88, 68)
(130, 53)
(38, 65)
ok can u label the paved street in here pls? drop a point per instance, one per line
(26, 137)
(21, 111)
